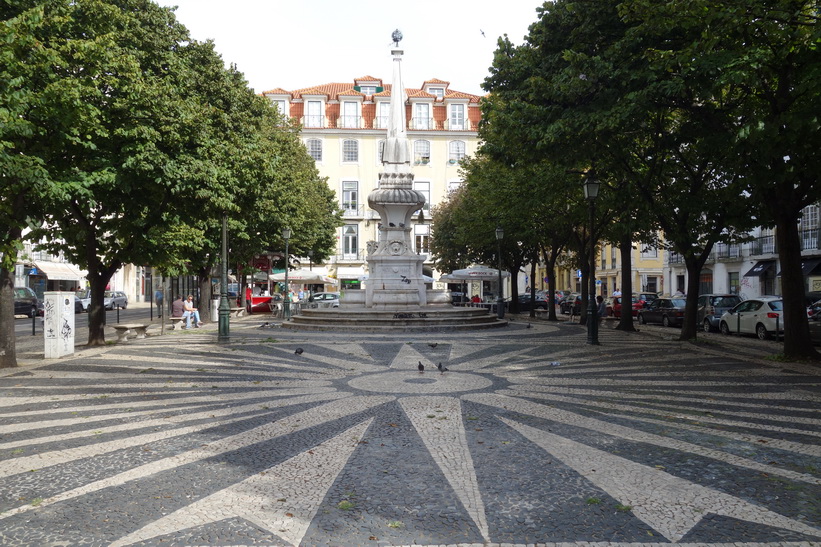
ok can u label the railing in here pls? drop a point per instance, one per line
(727, 251)
(351, 209)
(349, 122)
(763, 246)
(422, 123)
(314, 121)
(675, 258)
(810, 240)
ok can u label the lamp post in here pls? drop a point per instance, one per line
(225, 308)
(591, 192)
(311, 260)
(286, 235)
(500, 299)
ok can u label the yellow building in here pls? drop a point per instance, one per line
(344, 128)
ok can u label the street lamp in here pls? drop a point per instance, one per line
(224, 308)
(311, 260)
(591, 192)
(286, 235)
(500, 300)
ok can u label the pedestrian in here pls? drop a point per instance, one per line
(177, 307)
(158, 299)
(191, 311)
(602, 308)
(616, 293)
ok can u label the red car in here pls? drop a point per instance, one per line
(637, 305)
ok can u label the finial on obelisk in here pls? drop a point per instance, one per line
(396, 37)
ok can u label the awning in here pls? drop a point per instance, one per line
(349, 272)
(58, 271)
(807, 266)
(761, 268)
(303, 276)
(471, 274)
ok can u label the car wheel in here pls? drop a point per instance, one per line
(707, 326)
(665, 321)
(642, 321)
(724, 328)
(761, 332)
(124, 306)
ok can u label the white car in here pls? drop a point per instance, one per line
(324, 300)
(760, 316)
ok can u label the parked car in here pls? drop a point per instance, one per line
(760, 316)
(572, 302)
(561, 296)
(538, 302)
(26, 302)
(114, 299)
(646, 298)
(667, 311)
(636, 305)
(324, 300)
(712, 306)
(84, 295)
(78, 305)
(814, 311)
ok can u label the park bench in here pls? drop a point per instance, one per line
(177, 322)
(237, 312)
(124, 329)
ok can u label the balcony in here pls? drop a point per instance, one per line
(351, 209)
(764, 245)
(314, 121)
(727, 251)
(810, 240)
(349, 122)
(421, 124)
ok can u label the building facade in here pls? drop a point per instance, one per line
(344, 130)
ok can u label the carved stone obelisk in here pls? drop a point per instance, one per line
(395, 271)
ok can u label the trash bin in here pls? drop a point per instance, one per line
(215, 310)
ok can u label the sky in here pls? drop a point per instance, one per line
(298, 44)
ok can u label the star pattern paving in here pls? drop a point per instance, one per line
(527, 439)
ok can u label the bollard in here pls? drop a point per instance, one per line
(34, 325)
(738, 323)
(777, 328)
(118, 313)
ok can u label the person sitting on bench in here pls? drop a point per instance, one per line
(191, 311)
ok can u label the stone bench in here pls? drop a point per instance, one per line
(237, 312)
(124, 329)
(177, 322)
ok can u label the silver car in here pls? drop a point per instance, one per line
(760, 316)
(712, 306)
(324, 300)
(115, 299)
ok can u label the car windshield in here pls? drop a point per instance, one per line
(679, 302)
(776, 305)
(724, 301)
(108, 294)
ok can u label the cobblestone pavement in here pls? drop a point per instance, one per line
(532, 437)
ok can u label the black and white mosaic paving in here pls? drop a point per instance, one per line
(531, 437)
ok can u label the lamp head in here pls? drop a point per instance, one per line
(500, 233)
(591, 187)
(286, 233)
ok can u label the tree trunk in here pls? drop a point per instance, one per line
(532, 288)
(626, 254)
(96, 310)
(8, 348)
(551, 286)
(797, 342)
(689, 329)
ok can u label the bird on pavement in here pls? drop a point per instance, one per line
(441, 368)
(298, 351)
(528, 326)
(432, 344)
(421, 367)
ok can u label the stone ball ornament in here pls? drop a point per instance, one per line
(396, 36)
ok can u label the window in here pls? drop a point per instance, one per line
(421, 152)
(279, 104)
(380, 148)
(603, 258)
(652, 284)
(733, 282)
(367, 89)
(421, 116)
(421, 234)
(383, 115)
(438, 91)
(457, 117)
(454, 185)
(315, 149)
(456, 151)
(808, 228)
(350, 115)
(350, 197)
(350, 241)
(350, 151)
(705, 282)
(649, 252)
(424, 189)
(314, 116)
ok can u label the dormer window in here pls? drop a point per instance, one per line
(315, 114)
(367, 89)
(439, 92)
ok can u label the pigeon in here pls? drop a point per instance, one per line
(391, 224)
(401, 224)
(298, 351)
(483, 33)
(432, 344)
(421, 367)
(528, 326)
(441, 368)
